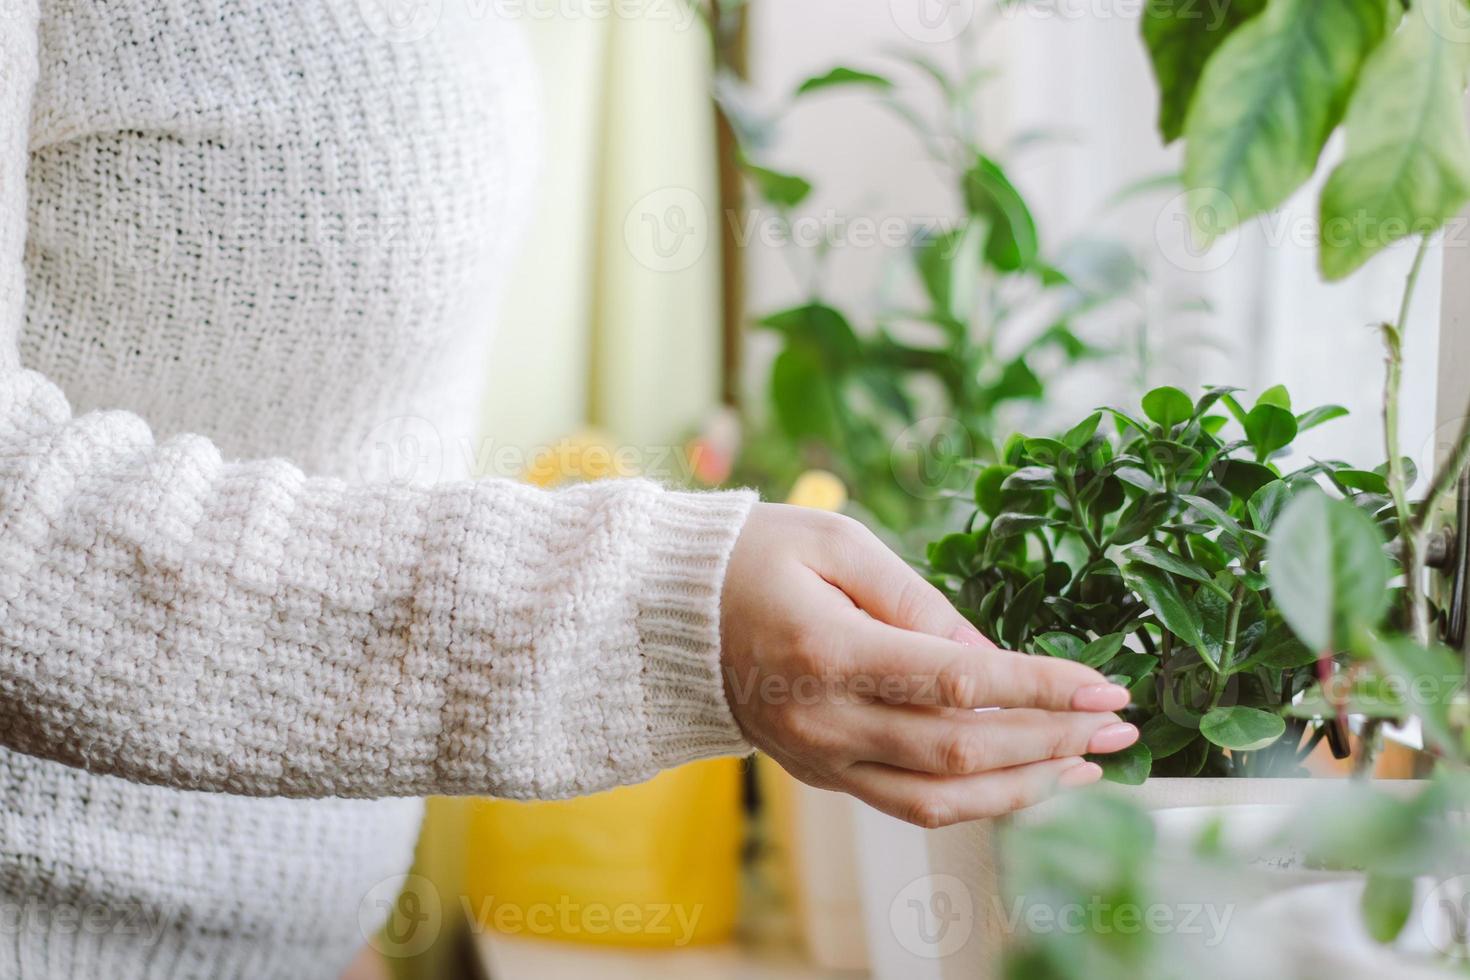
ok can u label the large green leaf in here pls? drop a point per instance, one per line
(1407, 168)
(1181, 36)
(1267, 102)
(1241, 729)
(1328, 571)
(1129, 767)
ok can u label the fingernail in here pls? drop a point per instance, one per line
(1101, 697)
(1084, 774)
(969, 636)
(1112, 738)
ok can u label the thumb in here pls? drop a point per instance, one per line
(884, 586)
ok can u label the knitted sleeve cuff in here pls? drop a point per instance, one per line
(692, 536)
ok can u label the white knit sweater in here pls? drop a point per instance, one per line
(246, 246)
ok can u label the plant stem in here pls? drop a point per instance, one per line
(1411, 528)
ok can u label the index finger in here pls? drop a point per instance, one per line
(914, 668)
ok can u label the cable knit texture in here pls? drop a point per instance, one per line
(247, 269)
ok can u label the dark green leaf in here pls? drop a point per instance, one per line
(1181, 36)
(989, 492)
(1010, 524)
(1016, 618)
(1168, 561)
(1129, 767)
(1164, 737)
(1162, 595)
(802, 395)
(1101, 650)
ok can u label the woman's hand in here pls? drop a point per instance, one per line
(855, 674)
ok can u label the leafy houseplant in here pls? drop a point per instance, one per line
(845, 387)
(1138, 544)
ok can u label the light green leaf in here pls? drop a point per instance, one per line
(1267, 102)
(1328, 572)
(783, 190)
(1432, 677)
(1276, 395)
(1242, 729)
(1314, 417)
(1064, 646)
(802, 395)
(1267, 503)
(1387, 901)
(1407, 168)
(1101, 650)
(1181, 36)
(1167, 406)
(990, 195)
(840, 76)
(1269, 428)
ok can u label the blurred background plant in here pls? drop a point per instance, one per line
(977, 315)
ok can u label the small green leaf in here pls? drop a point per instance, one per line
(1129, 767)
(954, 554)
(1168, 561)
(1242, 729)
(989, 494)
(785, 191)
(1270, 428)
(1267, 503)
(1167, 406)
(1081, 434)
(1064, 646)
(1010, 524)
(1387, 903)
(802, 395)
(1101, 650)
(1276, 395)
(1327, 569)
(1315, 417)
(840, 76)
(1017, 616)
(1030, 478)
(1364, 480)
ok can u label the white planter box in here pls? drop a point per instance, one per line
(933, 900)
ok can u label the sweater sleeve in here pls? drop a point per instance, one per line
(175, 618)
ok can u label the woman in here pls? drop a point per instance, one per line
(229, 663)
